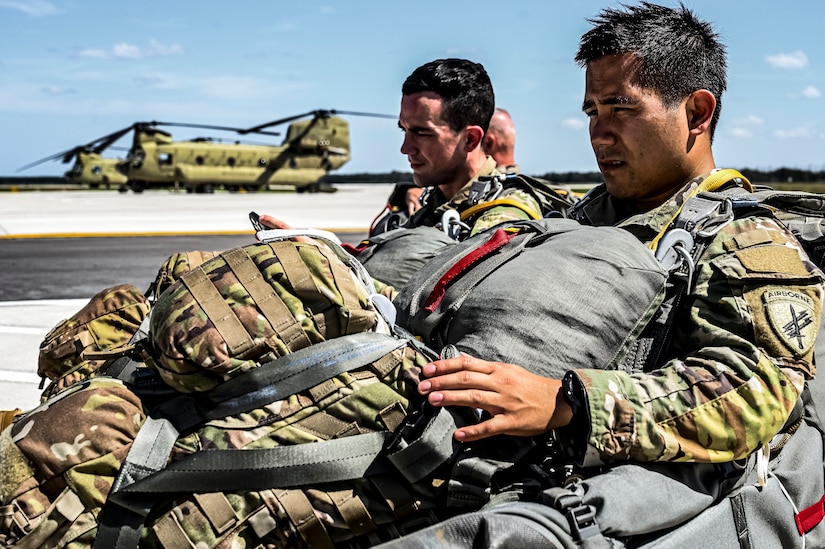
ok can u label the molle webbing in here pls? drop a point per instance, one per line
(284, 324)
(219, 312)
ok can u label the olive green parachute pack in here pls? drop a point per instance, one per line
(395, 250)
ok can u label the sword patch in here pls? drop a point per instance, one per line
(792, 317)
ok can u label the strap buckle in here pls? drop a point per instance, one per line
(704, 217)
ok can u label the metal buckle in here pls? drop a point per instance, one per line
(705, 217)
(452, 225)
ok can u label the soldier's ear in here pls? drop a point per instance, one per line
(474, 137)
(700, 107)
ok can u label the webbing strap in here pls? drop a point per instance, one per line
(711, 183)
(332, 460)
(345, 283)
(500, 238)
(273, 381)
(281, 319)
(484, 206)
(302, 515)
(423, 455)
(809, 517)
(218, 311)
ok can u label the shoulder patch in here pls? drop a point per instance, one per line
(792, 317)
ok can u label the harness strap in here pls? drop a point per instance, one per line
(711, 183)
(485, 206)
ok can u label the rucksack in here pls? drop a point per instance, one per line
(273, 372)
(107, 321)
(174, 267)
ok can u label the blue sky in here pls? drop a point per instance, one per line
(72, 71)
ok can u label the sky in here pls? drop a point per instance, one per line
(72, 71)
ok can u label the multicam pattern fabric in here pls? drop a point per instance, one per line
(741, 352)
(109, 320)
(374, 398)
(59, 463)
(175, 266)
(275, 298)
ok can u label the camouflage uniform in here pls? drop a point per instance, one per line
(742, 349)
(436, 204)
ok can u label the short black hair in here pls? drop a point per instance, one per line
(463, 85)
(677, 53)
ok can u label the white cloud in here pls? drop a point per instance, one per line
(811, 92)
(750, 120)
(795, 133)
(124, 50)
(57, 90)
(790, 61)
(573, 123)
(741, 132)
(327, 10)
(37, 8)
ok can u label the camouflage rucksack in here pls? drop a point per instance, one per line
(275, 346)
(108, 321)
(174, 267)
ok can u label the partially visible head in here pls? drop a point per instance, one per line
(676, 52)
(464, 87)
(446, 106)
(500, 139)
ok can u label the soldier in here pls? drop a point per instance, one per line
(736, 366)
(500, 141)
(446, 108)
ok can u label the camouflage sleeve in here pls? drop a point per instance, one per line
(744, 344)
(512, 205)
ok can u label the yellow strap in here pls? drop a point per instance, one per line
(711, 183)
(484, 206)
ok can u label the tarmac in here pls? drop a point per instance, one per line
(55, 214)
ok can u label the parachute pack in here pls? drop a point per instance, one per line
(394, 251)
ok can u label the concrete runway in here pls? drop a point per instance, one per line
(45, 214)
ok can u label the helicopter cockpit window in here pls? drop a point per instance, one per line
(230, 161)
(199, 160)
(97, 170)
(164, 159)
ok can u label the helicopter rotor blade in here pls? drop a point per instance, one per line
(97, 146)
(205, 126)
(318, 113)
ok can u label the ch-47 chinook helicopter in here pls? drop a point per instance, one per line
(311, 149)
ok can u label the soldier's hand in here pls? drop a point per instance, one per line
(274, 222)
(411, 199)
(521, 403)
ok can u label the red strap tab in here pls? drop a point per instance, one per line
(500, 238)
(806, 519)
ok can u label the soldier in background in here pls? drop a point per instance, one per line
(499, 142)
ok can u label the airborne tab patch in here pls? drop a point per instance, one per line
(792, 317)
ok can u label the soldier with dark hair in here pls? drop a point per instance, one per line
(736, 365)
